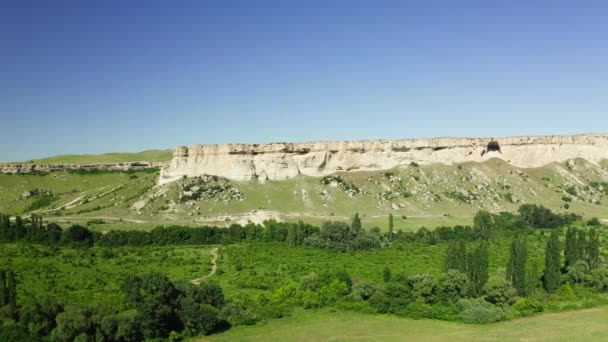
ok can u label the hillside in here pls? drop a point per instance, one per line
(417, 195)
(149, 156)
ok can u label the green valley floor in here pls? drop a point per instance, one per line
(579, 325)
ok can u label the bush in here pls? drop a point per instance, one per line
(500, 292)
(577, 273)
(453, 286)
(528, 306)
(363, 290)
(599, 279)
(479, 311)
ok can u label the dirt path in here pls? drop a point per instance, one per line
(86, 218)
(214, 253)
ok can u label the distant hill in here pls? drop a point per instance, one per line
(149, 156)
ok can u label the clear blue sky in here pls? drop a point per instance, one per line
(101, 76)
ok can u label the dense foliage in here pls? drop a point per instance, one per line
(155, 307)
(480, 274)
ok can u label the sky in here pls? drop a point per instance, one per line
(92, 76)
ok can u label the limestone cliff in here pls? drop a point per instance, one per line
(277, 161)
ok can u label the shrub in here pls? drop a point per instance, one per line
(500, 292)
(453, 286)
(528, 306)
(363, 290)
(577, 273)
(599, 279)
(479, 311)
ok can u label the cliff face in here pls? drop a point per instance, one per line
(29, 168)
(277, 161)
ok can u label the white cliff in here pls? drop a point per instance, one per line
(277, 161)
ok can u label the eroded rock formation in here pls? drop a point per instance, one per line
(277, 161)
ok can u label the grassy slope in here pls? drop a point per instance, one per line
(436, 195)
(149, 156)
(583, 325)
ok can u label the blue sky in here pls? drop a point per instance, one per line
(102, 76)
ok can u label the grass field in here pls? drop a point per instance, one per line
(149, 156)
(581, 325)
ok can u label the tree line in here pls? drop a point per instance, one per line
(154, 308)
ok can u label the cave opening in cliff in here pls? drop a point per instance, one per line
(493, 146)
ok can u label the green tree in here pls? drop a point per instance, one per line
(155, 298)
(483, 225)
(593, 251)
(197, 318)
(423, 287)
(461, 257)
(532, 278)
(386, 274)
(3, 289)
(499, 291)
(356, 226)
(552, 275)
(390, 226)
(516, 266)
(74, 324)
(11, 286)
(582, 245)
(478, 268)
(39, 317)
(572, 250)
(453, 286)
(291, 235)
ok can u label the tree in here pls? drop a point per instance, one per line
(593, 252)
(499, 291)
(3, 289)
(572, 249)
(532, 278)
(39, 317)
(423, 287)
(552, 275)
(291, 235)
(453, 286)
(78, 236)
(582, 245)
(197, 318)
(356, 226)
(11, 293)
(483, 225)
(155, 298)
(537, 216)
(516, 266)
(386, 274)
(478, 268)
(74, 324)
(391, 222)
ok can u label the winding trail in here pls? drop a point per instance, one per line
(214, 253)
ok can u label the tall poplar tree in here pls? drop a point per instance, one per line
(581, 245)
(552, 275)
(390, 226)
(478, 268)
(571, 251)
(593, 251)
(11, 285)
(3, 289)
(516, 266)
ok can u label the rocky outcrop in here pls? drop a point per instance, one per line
(30, 168)
(277, 161)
